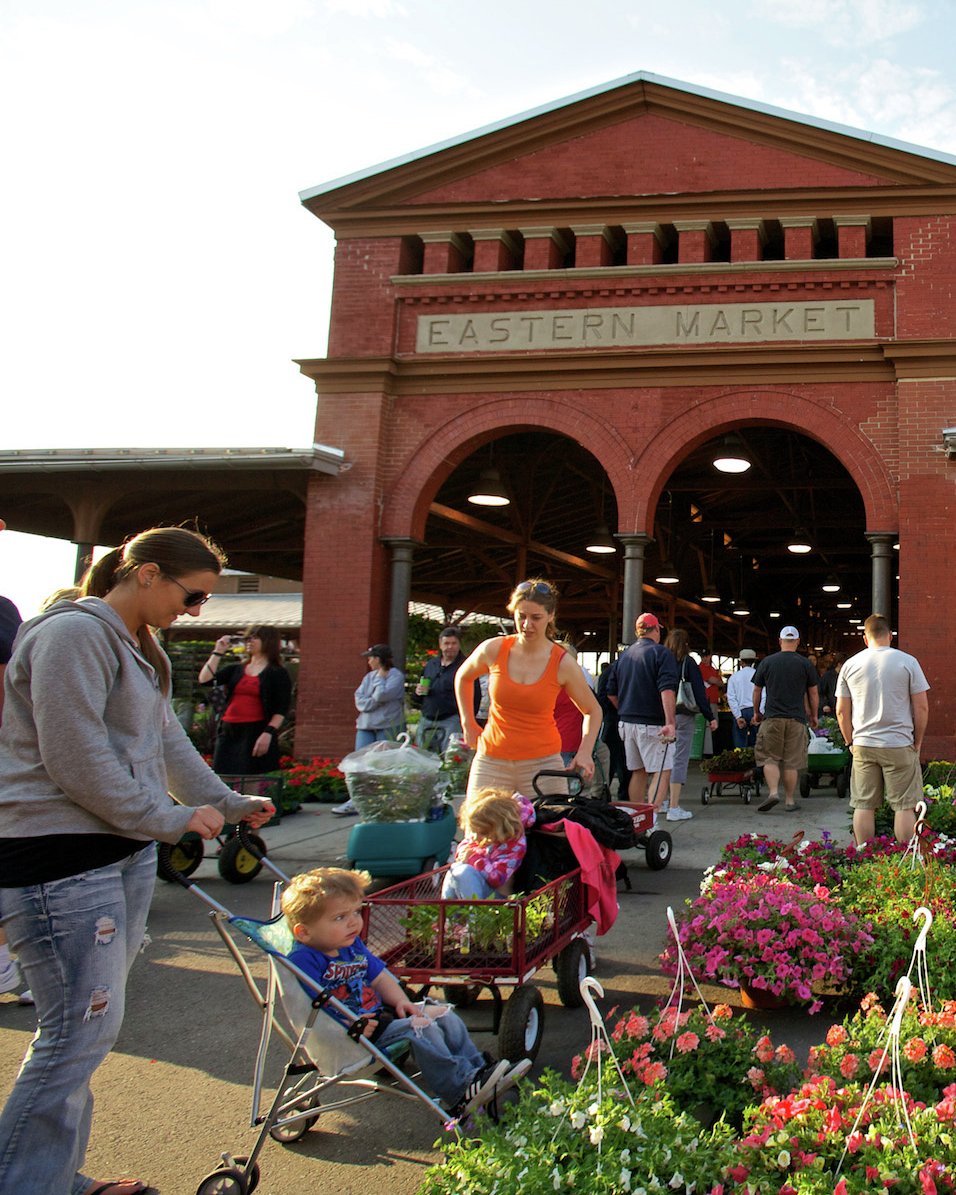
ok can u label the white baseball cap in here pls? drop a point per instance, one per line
(789, 633)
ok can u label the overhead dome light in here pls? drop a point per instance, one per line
(799, 543)
(731, 457)
(774, 614)
(601, 542)
(667, 574)
(710, 594)
(743, 609)
(844, 605)
(831, 584)
(490, 490)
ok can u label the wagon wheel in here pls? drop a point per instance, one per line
(462, 995)
(238, 865)
(747, 792)
(842, 783)
(805, 785)
(181, 857)
(571, 966)
(658, 850)
(522, 1024)
(705, 795)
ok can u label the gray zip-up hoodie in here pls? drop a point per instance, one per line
(89, 744)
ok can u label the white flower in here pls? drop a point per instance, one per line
(625, 1156)
(625, 1123)
(557, 1108)
(783, 1159)
(578, 1120)
(624, 1180)
(596, 1134)
(556, 1178)
(677, 1180)
(594, 1109)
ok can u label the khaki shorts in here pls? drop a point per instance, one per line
(643, 749)
(893, 773)
(516, 775)
(782, 741)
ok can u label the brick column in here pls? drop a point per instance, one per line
(444, 253)
(592, 245)
(852, 234)
(495, 250)
(747, 239)
(799, 236)
(645, 243)
(695, 240)
(544, 248)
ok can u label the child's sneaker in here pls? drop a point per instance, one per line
(481, 1088)
(10, 977)
(517, 1072)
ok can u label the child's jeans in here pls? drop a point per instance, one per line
(464, 882)
(447, 1056)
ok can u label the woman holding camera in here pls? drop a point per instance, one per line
(257, 695)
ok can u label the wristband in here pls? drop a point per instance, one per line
(217, 653)
(271, 730)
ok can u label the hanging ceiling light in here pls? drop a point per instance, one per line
(710, 593)
(831, 584)
(799, 543)
(601, 542)
(743, 609)
(774, 614)
(490, 490)
(666, 573)
(844, 605)
(731, 456)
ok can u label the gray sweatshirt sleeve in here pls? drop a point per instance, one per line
(193, 782)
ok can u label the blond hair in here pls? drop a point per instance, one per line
(307, 894)
(491, 815)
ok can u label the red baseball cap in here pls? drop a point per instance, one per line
(649, 621)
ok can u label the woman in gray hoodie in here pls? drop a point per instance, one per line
(89, 753)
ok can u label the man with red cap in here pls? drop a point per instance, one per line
(644, 689)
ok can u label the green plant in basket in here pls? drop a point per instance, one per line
(740, 759)
(564, 1137)
(886, 892)
(834, 733)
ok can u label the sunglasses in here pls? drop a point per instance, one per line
(534, 587)
(191, 597)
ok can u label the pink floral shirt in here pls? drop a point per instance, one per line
(498, 861)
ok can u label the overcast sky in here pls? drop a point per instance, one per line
(158, 272)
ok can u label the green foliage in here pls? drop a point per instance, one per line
(834, 733)
(740, 759)
(187, 656)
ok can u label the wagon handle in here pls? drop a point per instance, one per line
(571, 776)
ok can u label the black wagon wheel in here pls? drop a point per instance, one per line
(180, 858)
(522, 1024)
(705, 795)
(570, 967)
(843, 782)
(658, 851)
(462, 995)
(237, 864)
(805, 785)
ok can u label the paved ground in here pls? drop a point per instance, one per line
(176, 1090)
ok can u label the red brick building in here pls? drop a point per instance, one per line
(635, 272)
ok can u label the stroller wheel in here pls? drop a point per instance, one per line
(230, 1180)
(286, 1134)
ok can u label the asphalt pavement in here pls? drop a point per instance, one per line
(176, 1091)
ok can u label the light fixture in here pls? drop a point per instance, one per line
(799, 543)
(731, 457)
(831, 584)
(490, 490)
(774, 614)
(601, 542)
(743, 609)
(710, 593)
(666, 573)
(844, 605)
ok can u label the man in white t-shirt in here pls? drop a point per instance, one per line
(882, 709)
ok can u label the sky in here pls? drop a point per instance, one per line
(158, 273)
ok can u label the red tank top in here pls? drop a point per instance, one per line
(521, 718)
(246, 703)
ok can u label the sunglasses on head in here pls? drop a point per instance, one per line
(191, 597)
(534, 587)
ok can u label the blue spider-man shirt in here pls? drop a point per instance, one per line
(347, 975)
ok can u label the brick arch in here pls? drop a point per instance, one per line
(785, 409)
(430, 463)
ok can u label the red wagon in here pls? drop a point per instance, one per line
(464, 946)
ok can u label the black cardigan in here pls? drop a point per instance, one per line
(275, 687)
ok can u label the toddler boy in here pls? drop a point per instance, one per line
(324, 911)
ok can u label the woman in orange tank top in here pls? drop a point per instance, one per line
(526, 672)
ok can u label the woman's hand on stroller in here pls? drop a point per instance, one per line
(265, 812)
(584, 765)
(206, 821)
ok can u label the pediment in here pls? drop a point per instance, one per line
(641, 137)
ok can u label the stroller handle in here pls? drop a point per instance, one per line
(573, 777)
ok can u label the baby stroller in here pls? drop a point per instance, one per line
(330, 1066)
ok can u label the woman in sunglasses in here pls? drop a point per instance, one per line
(89, 752)
(257, 693)
(526, 673)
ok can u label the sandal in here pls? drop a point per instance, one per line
(113, 1187)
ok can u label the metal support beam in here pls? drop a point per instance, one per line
(402, 552)
(881, 548)
(634, 544)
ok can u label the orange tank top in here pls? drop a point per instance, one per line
(521, 718)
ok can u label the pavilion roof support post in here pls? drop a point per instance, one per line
(401, 553)
(881, 548)
(634, 544)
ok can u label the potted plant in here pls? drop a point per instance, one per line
(769, 936)
(735, 762)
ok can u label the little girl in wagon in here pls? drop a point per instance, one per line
(494, 823)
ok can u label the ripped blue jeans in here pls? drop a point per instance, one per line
(76, 939)
(445, 1053)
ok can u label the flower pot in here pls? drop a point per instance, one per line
(760, 998)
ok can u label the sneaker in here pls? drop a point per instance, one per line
(481, 1088)
(348, 809)
(679, 815)
(665, 805)
(10, 977)
(517, 1072)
